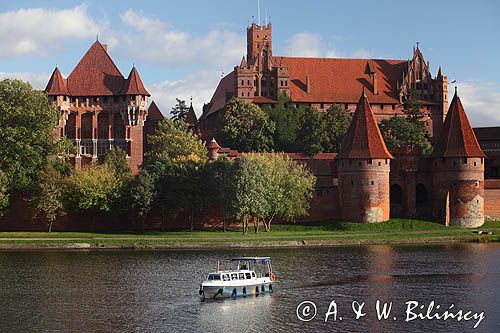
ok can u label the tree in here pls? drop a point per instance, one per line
(49, 192)
(286, 118)
(4, 194)
(407, 130)
(266, 186)
(93, 190)
(337, 121)
(26, 132)
(116, 159)
(246, 127)
(174, 159)
(180, 110)
(141, 195)
(173, 140)
(312, 135)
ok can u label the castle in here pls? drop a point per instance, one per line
(99, 108)
(320, 82)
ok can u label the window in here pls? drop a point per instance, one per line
(381, 106)
(242, 82)
(253, 274)
(234, 276)
(394, 106)
(242, 276)
(370, 161)
(322, 105)
(248, 276)
(379, 163)
(214, 276)
(373, 183)
(464, 160)
(226, 277)
(248, 82)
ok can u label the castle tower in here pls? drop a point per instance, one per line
(213, 150)
(458, 171)
(363, 165)
(244, 81)
(59, 95)
(259, 41)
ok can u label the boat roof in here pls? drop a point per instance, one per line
(256, 259)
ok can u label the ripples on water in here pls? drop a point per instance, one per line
(157, 291)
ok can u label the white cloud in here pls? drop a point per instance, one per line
(152, 40)
(309, 44)
(480, 101)
(37, 80)
(39, 30)
(200, 85)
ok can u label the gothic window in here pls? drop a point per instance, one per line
(242, 82)
(248, 82)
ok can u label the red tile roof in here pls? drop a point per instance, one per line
(213, 144)
(363, 139)
(457, 139)
(340, 80)
(154, 113)
(133, 85)
(56, 85)
(264, 100)
(219, 98)
(95, 75)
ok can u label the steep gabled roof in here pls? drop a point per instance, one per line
(191, 117)
(457, 139)
(95, 75)
(363, 139)
(56, 85)
(154, 112)
(133, 84)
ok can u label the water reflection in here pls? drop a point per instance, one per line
(156, 291)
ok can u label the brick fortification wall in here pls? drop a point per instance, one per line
(492, 199)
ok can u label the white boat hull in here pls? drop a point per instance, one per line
(224, 291)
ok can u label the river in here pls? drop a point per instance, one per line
(157, 291)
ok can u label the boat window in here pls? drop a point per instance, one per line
(248, 275)
(253, 274)
(214, 276)
(234, 276)
(225, 277)
(242, 276)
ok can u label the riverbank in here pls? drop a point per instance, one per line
(326, 233)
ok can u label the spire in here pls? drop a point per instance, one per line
(457, 139)
(439, 75)
(56, 85)
(363, 139)
(191, 118)
(154, 112)
(243, 62)
(133, 84)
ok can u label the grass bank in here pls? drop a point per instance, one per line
(325, 233)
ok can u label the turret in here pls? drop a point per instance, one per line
(363, 165)
(213, 150)
(458, 171)
(58, 94)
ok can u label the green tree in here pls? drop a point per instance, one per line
(141, 195)
(49, 193)
(93, 190)
(337, 121)
(173, 140)
(312, 134)
(116, 159)
(246, 127)
(4, 194)
(286, 118)
(26, 132)
(180, 110)
(407, 130)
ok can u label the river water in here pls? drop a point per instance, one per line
(157, 291)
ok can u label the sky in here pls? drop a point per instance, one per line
(182, 48)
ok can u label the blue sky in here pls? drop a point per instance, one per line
(182, 47)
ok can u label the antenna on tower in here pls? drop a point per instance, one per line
(258, 12)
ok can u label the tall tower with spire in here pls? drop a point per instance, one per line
(458, 171)
(363, 166)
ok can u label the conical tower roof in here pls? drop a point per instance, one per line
(191, 117)
(363, 139)
(56, 85)
(133, 84)
(457, 139)
(154, 112)
(95, 75)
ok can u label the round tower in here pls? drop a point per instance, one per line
(213, 150)
(363, 166)
(458, 171)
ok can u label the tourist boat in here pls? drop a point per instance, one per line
(243, 281)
